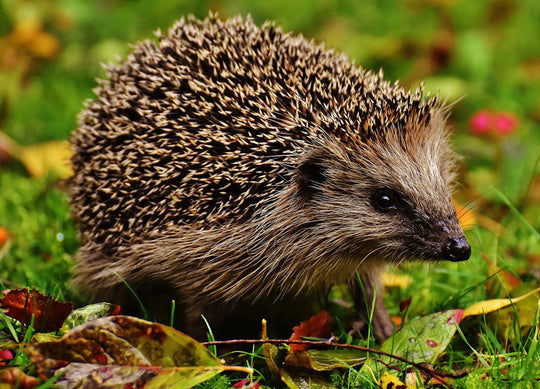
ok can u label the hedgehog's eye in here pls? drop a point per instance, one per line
(385, 200)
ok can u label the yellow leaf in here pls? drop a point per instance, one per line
(44, 158)
(391, 280)
(45, 45)
(388, 381)
(25, 30)
(28, 33)
(488, 306)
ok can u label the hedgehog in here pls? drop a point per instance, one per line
(241, 171)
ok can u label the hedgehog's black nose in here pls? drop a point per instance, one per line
(457, 249)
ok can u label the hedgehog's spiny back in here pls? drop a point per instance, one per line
(202, 127)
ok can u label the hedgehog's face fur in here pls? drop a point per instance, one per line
(381, 200)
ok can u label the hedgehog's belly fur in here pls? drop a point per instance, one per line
(208, 275)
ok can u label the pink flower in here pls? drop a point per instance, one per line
(247, 384)
(481, 122)
(498, 123)
(5, 355)
(505, 123)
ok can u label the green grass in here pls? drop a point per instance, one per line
(43, 237)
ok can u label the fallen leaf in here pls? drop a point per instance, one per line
(388, 381)
(298, 378)
(467, 219)
(16, 378)
(404, 304)
(273, 358)
(420, 340)
(22, 304)
(28, 33)
(417, 378)
(392, 280)
(90, 312)
(40, 159)
(4, 235)
(499, 277)
(488, 306)
(44, 158)
(318, 326)
(325, 360)
(121, 350)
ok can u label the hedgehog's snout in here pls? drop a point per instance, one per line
(456, 249)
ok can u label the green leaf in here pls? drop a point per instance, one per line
(298, 378)
(85, 314)
(324, 360)
(421, 340)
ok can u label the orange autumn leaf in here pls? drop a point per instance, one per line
(22, 304)
(504, 277)
(318, 326)
(397, 321)
(4, 235)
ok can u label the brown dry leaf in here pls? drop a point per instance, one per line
(531, 69)
(318, 326)
(22, 304)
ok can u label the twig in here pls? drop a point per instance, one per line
(420, 366)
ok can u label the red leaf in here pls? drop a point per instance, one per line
(404, 304)
(21, 304)
(318, 326)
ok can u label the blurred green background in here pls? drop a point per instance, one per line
(482, 56)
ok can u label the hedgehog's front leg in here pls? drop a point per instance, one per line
(370, 305)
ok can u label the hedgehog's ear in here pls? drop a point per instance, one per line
(310, 174)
